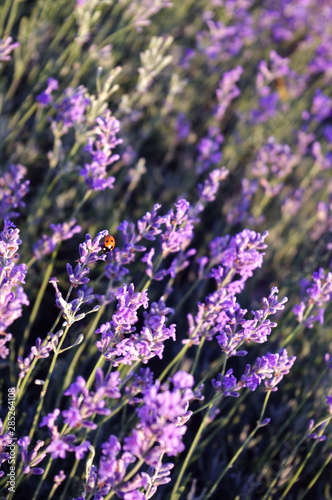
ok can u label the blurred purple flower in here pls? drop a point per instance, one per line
(12, 296)
(321, 106)
(273, 161)
(267, 107)
(12, 190)
(209, 150)
(101, 151)
(227, 91)
(30, 460)
(46, 97)
(319, 293)
(179, 229)
(6, 47)
(71, 110)
(61, 232)
(85, 404)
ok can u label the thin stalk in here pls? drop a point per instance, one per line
(272, 450)
(291, 455)
(179, 355)
(4, 13)
(42, 478)
(46, 384)
(38, 300)
(12, 16)
(302, 465)
(317, 476)
(175, 492)
(198, 352)
(81, 348)
(240, 450)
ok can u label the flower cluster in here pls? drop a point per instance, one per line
(120, 343)
(162, 414)
(101, 151)
(45, 98)
(12, 295)
(12, 191)
(311, 309)
(5, 440)
(6, 48)
(227, 91)
(274, 161)
(271, 368)
(71, 111)
(61, 232)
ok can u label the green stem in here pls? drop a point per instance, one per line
(38, 300)
(12, 16)
(240, 450)
(267, 495)
(303, 464)
(179, 355)
(43, 478)
(80, 349)
(176, 489)
(46, 384)
(317, 476)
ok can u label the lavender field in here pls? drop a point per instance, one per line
(165, 249)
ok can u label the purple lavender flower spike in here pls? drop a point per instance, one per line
(101, 151)
(179, 229)
(209, 150)
(12, 294)
(318, 294)
(61, 232)
(227, 91)
(71, 111)
(30, 459)
(6, 48)
(12, 191)
(46, 97)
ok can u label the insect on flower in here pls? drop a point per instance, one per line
(109, 243)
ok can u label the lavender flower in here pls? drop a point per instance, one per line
(161, 410)
(71, 111)
(12, 296)
(223, 42)
(61, 232)
(274, 161)
(179, 229)
(6, 48)
(321, 106)
(101, 151)
(227, 91)
(12, 191)
(30, 460)
(60, 445)
(239, 254)
(46, 97)
(271, 368)
(5, 440)
(70, 309)
(142, 346)
(85, 404)
(236, 330)
(209, 150)
(317, 294)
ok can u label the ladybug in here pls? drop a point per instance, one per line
(109, 243)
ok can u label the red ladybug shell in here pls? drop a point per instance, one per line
(109, 243)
